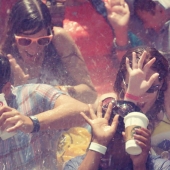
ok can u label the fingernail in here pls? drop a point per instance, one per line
(137, 141)
(135, 135)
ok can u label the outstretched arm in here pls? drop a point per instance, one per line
(64, 115)
(75, 65)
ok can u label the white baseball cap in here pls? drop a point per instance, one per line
(164, 3)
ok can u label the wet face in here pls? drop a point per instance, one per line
(148, 99)
(33, 53)
(150, 20)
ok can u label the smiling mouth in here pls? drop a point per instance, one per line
(29, 55)
(33, 57)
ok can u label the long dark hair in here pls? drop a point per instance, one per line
(160, 65)
(26, 15)
(5, 71)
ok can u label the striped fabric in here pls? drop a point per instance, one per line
(35, 151)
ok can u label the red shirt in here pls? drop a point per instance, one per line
(94, 38)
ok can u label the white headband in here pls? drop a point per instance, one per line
(164, 3)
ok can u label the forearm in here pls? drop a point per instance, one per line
(121, 40)
(66, 114)
(121, 36)
(91, 161)
(79, 75)
(83, 93)
(74, 63)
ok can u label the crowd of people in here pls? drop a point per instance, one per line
(64, 62)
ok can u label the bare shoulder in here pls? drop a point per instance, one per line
(63, 42)
(61, 33)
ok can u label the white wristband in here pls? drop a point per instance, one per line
(98, 148)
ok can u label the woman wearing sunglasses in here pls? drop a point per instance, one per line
(41, 54)
(142, 70)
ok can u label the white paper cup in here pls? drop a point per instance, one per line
(133, 121)
(2, 100)
(4, 134)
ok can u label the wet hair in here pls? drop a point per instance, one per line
(5, 71)
(160, 66)
(26, 15)
(144, 5)
(29, 17)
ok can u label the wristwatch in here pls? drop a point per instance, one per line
(121, 48)
(36, 124)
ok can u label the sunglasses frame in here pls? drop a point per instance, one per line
(152, 89)
(119, 107)
(33, 40)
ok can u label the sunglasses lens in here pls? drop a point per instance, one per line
(124, 109)
(24, 41)
(152, 89)
(44, 41)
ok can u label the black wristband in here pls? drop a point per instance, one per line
(36, 124)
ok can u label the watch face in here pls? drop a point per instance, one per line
(33, 117)
(36, 124)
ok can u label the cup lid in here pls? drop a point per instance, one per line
(136, 114)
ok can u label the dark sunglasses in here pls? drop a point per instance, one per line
(25, 41)
(120, 107)
(152, 89)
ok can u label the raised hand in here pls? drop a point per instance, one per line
(118, 13)
(138, 82)
(102, 131)
(19, 76)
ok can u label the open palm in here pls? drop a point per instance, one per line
(138, 84)
(19, 76)
(118, 13)
(102, 131)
